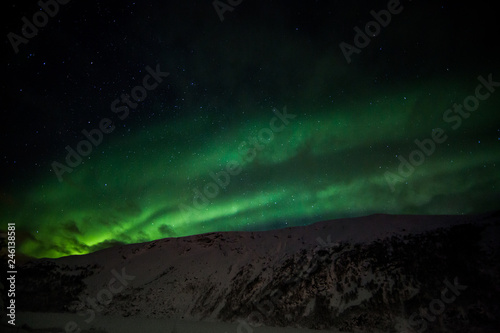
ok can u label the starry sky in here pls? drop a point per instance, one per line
(186, 117)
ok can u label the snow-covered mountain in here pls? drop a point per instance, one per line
(376, 273)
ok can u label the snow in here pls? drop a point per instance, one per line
(192, 278)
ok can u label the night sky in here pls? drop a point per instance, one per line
(257, 121)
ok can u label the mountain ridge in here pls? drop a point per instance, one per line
(327, 275)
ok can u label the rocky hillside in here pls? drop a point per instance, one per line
(377, 273)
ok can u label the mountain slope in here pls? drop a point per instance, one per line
(375, 272)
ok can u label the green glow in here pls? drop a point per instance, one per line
(325, 164)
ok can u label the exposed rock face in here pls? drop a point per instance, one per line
(378, 273)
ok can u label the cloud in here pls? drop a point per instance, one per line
(166, 230)
(105, 244)
(71, 228)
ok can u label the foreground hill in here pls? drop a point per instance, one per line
(376, 273)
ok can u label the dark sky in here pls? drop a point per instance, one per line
(127, 121)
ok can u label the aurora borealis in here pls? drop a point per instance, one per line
(227, 82)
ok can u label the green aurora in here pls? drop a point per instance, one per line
(352, 122)
(322, 165)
